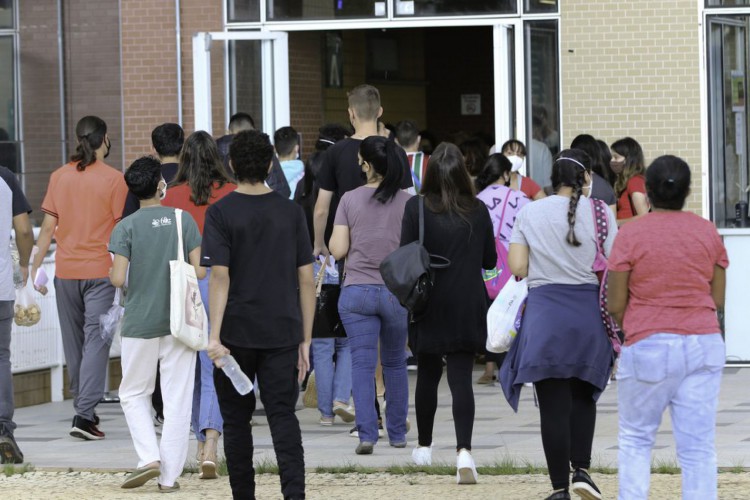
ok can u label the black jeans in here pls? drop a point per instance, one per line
(568, 416)
(277, 380)
(429, 372)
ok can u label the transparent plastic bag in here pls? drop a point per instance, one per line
(332, 272)
(111, 322)
(26, 311)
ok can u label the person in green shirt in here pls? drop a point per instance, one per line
(143, 244)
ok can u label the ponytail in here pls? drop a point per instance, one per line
(90, 132)
(574, 198)
(569, 169)
(389, 162)
(495, 167)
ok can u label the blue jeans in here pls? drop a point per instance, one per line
(6, 376)
(371, 313)
(206, 414)
(682, 373)
(334, 383)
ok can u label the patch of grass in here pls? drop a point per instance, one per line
(12, 469)
(436, 469)
(266, 466)
(737, 467)
(665, 466)
(347, 468)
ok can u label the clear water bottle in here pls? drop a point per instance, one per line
(232, 369)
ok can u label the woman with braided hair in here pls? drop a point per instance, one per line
(562, 346)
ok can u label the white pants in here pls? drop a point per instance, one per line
(177, 367)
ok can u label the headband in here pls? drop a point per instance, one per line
(574, 161)
(320, 139)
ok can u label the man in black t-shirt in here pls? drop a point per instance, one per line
(261, 304)
(341, 171)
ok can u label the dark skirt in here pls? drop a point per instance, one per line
(561, 336)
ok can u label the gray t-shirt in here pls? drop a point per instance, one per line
(543, 227)
(374, 232)
(148, 239)
(12, 203)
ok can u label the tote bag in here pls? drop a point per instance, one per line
(187, 315)
(327, 322)
(503, 317)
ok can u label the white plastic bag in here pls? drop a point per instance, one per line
(110, 322)
(503, 317)
(26, 311)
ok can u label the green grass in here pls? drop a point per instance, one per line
(665, 466)
(11, 469)
(347, 468)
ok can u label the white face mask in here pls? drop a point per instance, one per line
(517, 163)
(163, 192)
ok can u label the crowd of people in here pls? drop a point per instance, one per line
(254, 220)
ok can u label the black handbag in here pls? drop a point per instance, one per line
(327, 322)
(408, 272)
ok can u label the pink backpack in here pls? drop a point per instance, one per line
(495, 279)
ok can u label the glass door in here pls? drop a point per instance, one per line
(727, 63)
(258, 66)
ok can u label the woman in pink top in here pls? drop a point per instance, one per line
(201, 180)
(666, 283)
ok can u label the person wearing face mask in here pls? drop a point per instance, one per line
(503, 204)
(201, 181)
(629, 166)
(83, 203)
(516, 153)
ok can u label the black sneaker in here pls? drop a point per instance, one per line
(559, 495)
(9, 451)
(583, 486)
(85, 429)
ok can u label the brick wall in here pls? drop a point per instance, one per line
(632, 69)
(306, 86)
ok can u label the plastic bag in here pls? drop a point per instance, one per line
(504, 315)
(27, 311)
(332, 272)
(111, 322)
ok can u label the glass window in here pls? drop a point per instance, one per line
(243, 11)
(7, 19)
(539, 6)
(303, 10)
(246, 91)
(8, 134)
(726, 3)
(728, 123)
(453, 7)
(543, 98)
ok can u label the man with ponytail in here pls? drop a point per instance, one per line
(562, 346)
(83, 203)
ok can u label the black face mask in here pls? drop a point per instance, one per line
(108, 144)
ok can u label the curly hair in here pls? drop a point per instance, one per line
(251, 153)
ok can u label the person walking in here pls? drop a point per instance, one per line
(201, 181)
(562, 346)
(262, 303)
(457, 226)
(365, 231)
(84, 201)
(629, 168)
(515, 151)
(665, 292)
(143, 245)
(14, 213)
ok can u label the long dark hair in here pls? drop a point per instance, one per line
(494, 168)
(569, 170)
(447, 186)
(634, 162)
(200, 167)
(590, 146)
(90, 132)
(475, 154)
(389, 162)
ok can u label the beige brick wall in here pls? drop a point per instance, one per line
(632, 69)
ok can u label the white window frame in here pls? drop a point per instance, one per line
(12, 33)
(274, 79)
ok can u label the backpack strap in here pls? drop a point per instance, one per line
(599, 214)
(421, 220)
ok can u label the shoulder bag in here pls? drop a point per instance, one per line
(599, 212)
(327, 322)
(408, 272)
(187, 315)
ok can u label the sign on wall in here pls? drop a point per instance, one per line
(471, 104)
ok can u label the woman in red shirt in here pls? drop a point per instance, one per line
(630, 186)
(515, 151)
(201, 180)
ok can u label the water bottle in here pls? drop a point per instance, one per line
(232, 369)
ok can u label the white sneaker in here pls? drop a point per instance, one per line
(466, 470)
(422, 455)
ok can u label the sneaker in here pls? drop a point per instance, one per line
(326, 421)
(583, 486)
(85, 429)
(364, 448)
(344, 412)
(169, 489)
(141, 476)
(411, 364)
(401, 444)
(559, 495)
(355, 433)
(10, 453)
(486, 379)
(466, 470)
(422, 455)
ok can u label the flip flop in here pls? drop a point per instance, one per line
(208, 470)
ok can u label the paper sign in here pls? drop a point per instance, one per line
(471, 104)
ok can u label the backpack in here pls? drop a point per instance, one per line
(495, 279)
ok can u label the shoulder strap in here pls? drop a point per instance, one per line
(502, 213)
(421, 220)
(178, 221)
(600, 222)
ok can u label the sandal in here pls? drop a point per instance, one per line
(208, 468)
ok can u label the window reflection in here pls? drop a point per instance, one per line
(246, 85)
(247, 11)
(287, 10)
(8, 146)
(6, 14)
(726, 3)
(539, 6)
(426, 8)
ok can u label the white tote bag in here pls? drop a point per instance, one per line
(501, 317)
(187, 315)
